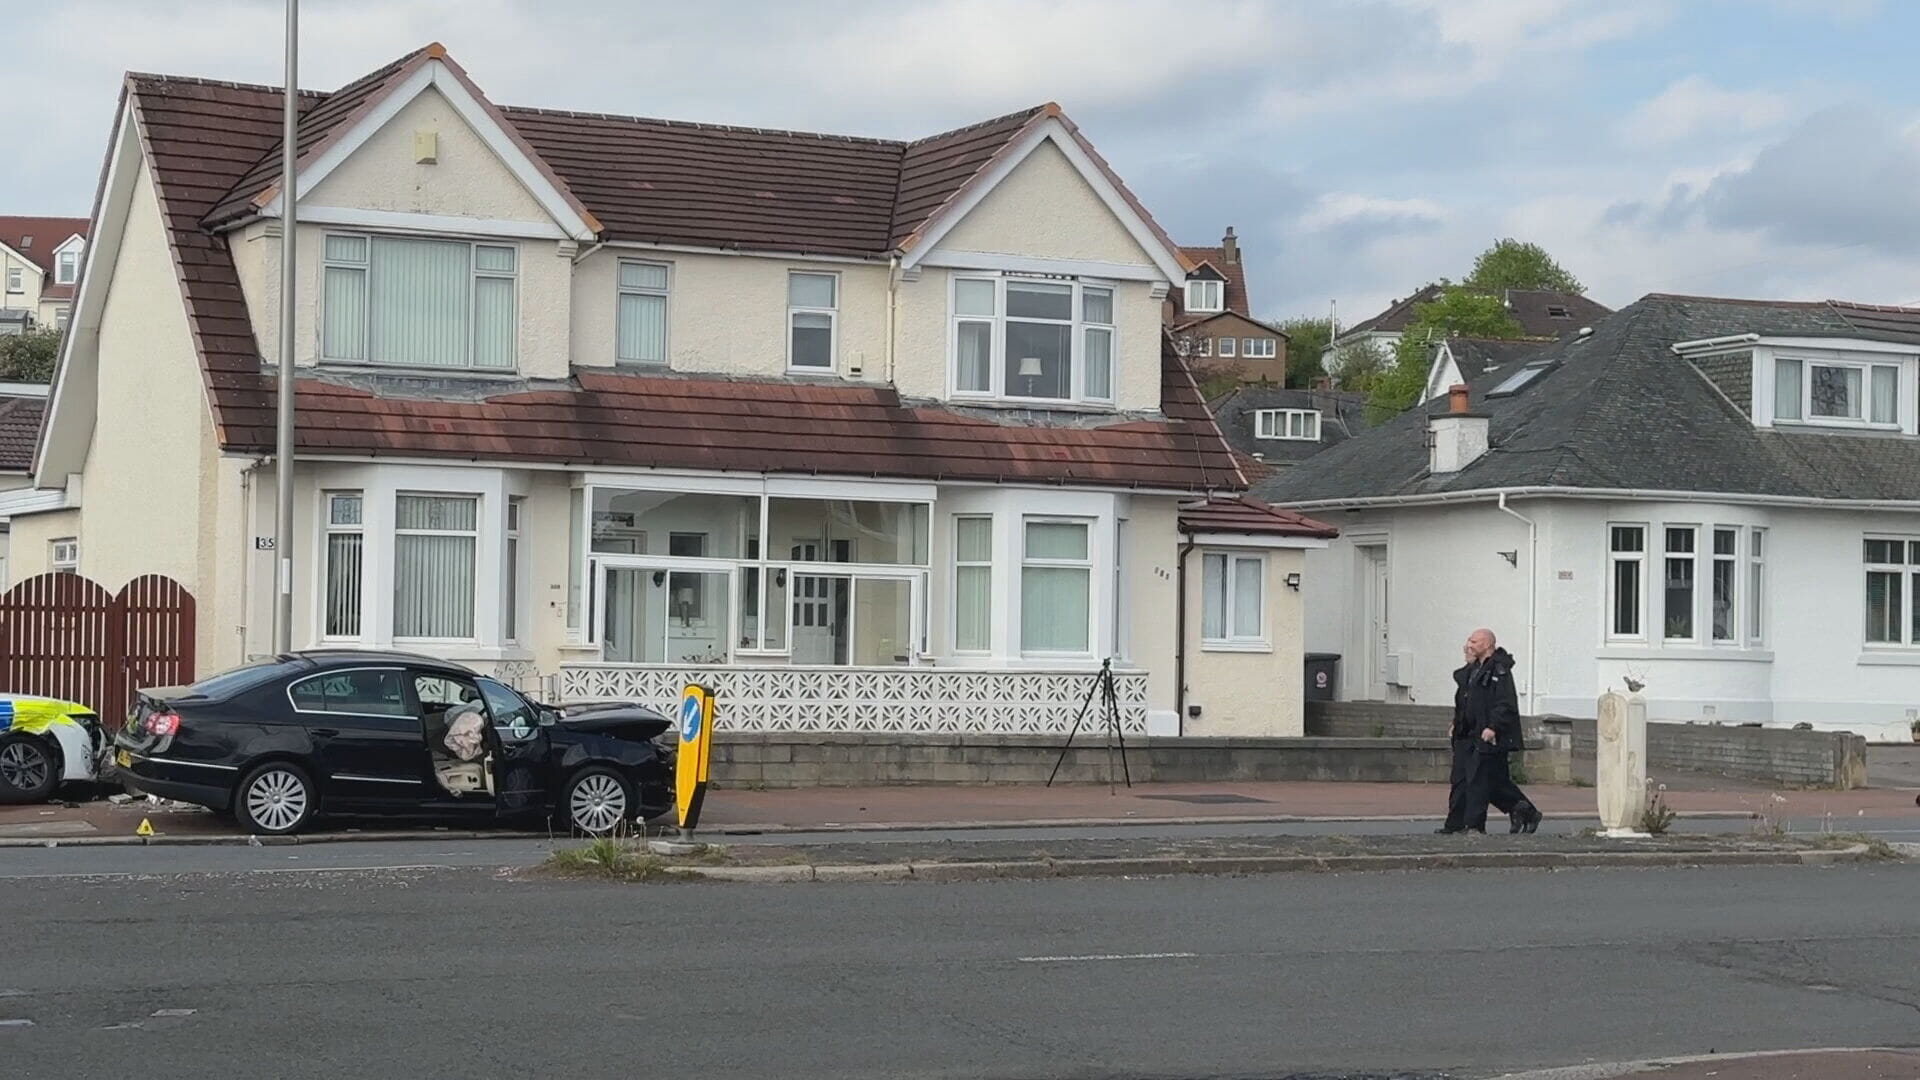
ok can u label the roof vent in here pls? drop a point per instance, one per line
(1585, 333)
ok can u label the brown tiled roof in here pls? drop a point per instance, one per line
(933, 170)
(45, 234)
(1233, 273)
(1531, 308)
(1246, 514)
(19, 429)
(664, 421)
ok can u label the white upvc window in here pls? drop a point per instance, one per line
(1724, 587)
(1036, 339)
(1893, 591)
(640, 331)
(1233, 594)
(1056, 586)
(1203, 295)
(1626, 582)
(1228, 347)
(62, 318)
(16, 281)
(1259, 348)
(510, 595)
(1301, 424)
(64, 555)
(66, 269)
(1680, 584)
(1756, 586)
(1204, 347)
(1860, 393)
(973, 583)
(410, 302)
(345, 563)
(435, 543)
(813, 306)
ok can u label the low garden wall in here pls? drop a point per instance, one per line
(1548, 758)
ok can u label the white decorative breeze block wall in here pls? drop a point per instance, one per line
(918, 701)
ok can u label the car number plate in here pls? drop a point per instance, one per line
(123, 759)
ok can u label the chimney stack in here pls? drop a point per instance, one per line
(1230, 246)
(1457, 437)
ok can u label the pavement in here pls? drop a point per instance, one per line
(432, 973)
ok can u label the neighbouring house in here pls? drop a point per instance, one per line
(877, 436)
(1212, 323)
(1719, 499)
(1541, 313)
(1276, 426)
(1465, 359)
(21, 405)
(40, 261)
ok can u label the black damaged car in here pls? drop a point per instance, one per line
(283, 741)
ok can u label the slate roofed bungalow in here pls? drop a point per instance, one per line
(1716, 498)
(882, 435)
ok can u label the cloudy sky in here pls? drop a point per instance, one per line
(1360, 148)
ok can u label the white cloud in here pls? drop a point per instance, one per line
(1694, 105)
(1343, 208)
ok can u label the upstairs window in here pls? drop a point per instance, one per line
(15, 281)
(641, 321)
(67, 269)
(1034, 339)
(1287, 424)
(418, 303)
(1836, 392)
(1206, 295)
(812, 313)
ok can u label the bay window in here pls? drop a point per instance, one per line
(1033, 338)
(510, 596)
(345, 558)
(1056, 579)
(1726, 575)
(418, 303)
(1232, 590)
(1626, 581)
(1756, 585)
(434, 558)
(1680, 568)
(640, 331)
(1893, 591)
(972, 583)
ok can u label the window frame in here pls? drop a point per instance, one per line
(1078, 332)
(959, 564)
(475, 274)
(1733, 561)
(1866, 367)
(1756, 563)
(1233, 641)
(479, 508)
(407, 712)
(664, 292)
(1228, 348)
(16, 279)
(328, 529)
(1284, 422)
(66, 272)
(1906, 575)
(833, 323)
(1269, 348)
(1668, 555)
(513, 572)
(1616, 556)
(1218, 298)
(1042, 563)
(71, 563)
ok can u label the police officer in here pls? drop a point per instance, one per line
(1486, 728)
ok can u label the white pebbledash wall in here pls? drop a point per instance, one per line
(1447, 576)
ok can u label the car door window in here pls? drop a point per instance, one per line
(359, 692)
(513, 716)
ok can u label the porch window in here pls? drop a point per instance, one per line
(434, 543)
(1232, 589)
(345, 554)
(1681, 567)
(813, 302)
(972, 584)
(640, 333)
(1893, 591)
(1726, 575)
(1626, 581)
(1056, 577)
(418, 303)
(1033, 339)
(510, 598)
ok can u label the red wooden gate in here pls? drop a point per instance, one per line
(62, 635)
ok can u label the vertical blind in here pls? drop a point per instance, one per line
(1055, 599)
(433, 573)
(640, 331)
(419, 303)
(973, 584)
(343, 571)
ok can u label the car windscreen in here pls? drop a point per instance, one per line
(241, 679)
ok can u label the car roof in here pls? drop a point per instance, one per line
(333, 658)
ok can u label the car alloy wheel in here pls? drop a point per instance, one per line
(276, 799)
(597, 802)
(26, 768)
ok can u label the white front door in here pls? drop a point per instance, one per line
(1370, 672)
(820, 605)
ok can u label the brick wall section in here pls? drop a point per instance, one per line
(1835, 759)
(1547, 760)
(783, 761)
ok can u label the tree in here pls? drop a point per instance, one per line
(1459, 312)
(1516, 264)
(1307, 338)
(1357, 365)
(29, 357)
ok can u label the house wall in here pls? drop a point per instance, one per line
(468, 180)
(1248, 693)
(31, 281)
(1044, 208)
(29, 537)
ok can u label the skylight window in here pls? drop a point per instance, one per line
(1558, 311)
(1514, 382)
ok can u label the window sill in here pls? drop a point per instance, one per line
(1030, 404)
(361, 367)
(1236, 646)
(1889, 658)
(1685, 652)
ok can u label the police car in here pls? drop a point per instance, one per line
(45, 742)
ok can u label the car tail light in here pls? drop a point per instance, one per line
(163, 724)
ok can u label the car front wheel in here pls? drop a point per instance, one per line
(28, 770)
(274, 799)
(598, 801)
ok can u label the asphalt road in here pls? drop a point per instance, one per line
(466, 973)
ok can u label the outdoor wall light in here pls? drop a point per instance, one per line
(1512, 557)
(1293, 581)
(659, 578)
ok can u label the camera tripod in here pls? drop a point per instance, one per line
(1109, 723)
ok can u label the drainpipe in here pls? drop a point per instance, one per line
(893, 297)
(1533, 597)
(246, 549)
(1180, 635)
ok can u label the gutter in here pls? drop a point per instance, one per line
(1681, 348)
(1603, 494)
(1533, 602)
(1180, 634)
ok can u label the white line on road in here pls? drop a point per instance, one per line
(1107, 956)
(16, 1023)
(344, 869)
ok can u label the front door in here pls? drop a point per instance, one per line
(366, 742)
(1372, 651)
(821, 605)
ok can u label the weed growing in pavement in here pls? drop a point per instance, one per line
(1876, 848)
(1656, 817)
(1770, 819)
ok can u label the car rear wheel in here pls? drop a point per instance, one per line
(598, 801)
(275, 799)
(28, 770)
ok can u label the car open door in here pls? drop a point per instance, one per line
(522, 774)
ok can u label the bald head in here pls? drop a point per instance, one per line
(1480, 644)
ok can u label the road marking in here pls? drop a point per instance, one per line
(175, 1012)
(1099, 957)
(16, 1023)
